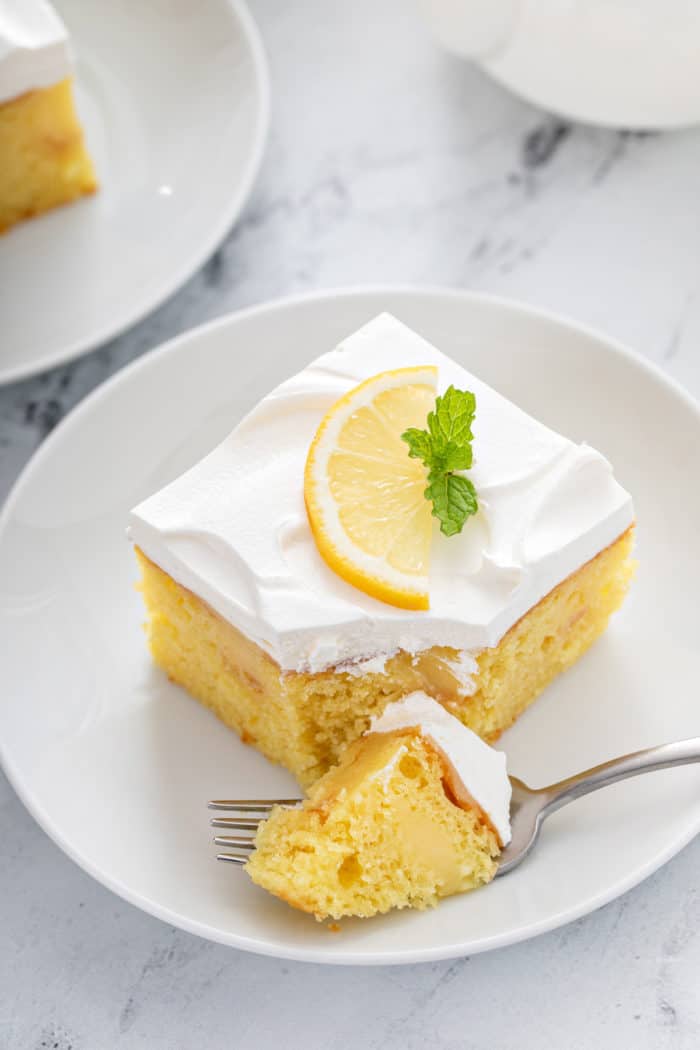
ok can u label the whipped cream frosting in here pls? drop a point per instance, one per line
(234, 530)
(480, 769)
(34, 49)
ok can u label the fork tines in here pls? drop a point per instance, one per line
(241, 845)
(252, 805)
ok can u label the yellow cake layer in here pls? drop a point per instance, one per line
(378, 831)
(305, 721)
(43, 161)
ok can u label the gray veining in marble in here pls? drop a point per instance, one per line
(388, 161)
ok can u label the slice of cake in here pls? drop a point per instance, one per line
(43, 160)
(415, 810)
(270, 625)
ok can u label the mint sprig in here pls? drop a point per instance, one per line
(446, 446)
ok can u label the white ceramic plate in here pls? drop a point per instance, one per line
(174, 99)
(117, 764)
(621, 65)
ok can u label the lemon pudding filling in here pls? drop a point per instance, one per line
(44, 162)
(415, 810)
(298, 580)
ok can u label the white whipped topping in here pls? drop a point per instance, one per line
(465, 668)
(34, 49)
(234, 530)
(372, 665)
(480, 769)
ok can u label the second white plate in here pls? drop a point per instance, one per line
(174, 99)
(117, 764)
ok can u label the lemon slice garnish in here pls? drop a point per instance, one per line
(365, 496)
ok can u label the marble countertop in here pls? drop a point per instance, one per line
(388, 161)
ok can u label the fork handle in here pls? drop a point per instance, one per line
(681, 753)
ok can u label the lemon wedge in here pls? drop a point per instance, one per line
(364, 495)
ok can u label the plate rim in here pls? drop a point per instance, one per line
(582, 113)
(229, 215)
(314, 955)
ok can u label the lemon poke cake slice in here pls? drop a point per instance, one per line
(415, 810)
(382, 522)
(43, 160)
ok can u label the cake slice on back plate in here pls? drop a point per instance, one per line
(43, 160)
(296, 580)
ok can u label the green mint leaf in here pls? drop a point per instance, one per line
(419, 444)
(456, 457)
(452, 417)
(454, 500)
(445, 447)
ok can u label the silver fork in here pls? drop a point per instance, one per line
(529, 807)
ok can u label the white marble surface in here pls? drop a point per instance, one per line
(388, 161)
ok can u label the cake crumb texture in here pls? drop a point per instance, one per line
(305, 721)
(378, 831)
(44, 160)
